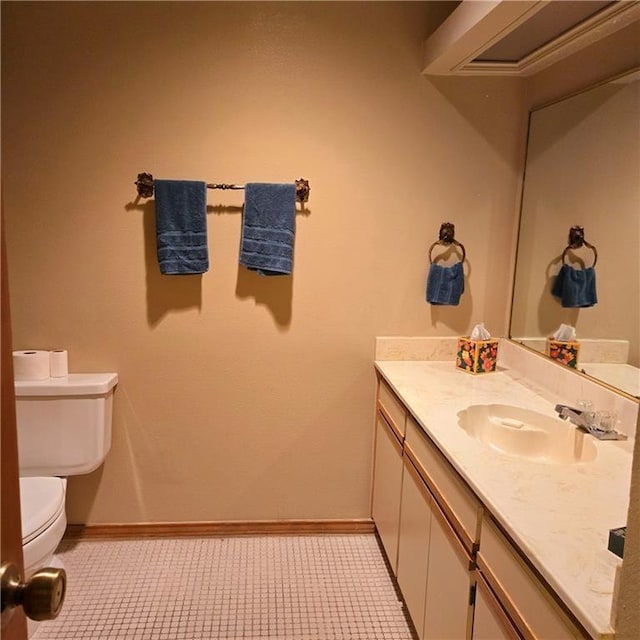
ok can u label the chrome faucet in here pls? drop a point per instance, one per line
(591, 421)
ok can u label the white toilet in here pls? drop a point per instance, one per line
(64, 429)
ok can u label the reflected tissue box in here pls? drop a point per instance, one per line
(477, 356)
(564, 351)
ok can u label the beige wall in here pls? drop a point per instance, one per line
(242, 397)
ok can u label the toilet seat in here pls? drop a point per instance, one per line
(42, 502)
(43, 520)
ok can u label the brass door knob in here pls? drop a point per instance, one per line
(41, 596)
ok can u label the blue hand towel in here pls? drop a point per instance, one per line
(575, 287)
(445, 285)
(181, 226)
(268, 228)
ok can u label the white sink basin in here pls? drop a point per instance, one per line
(527, 434)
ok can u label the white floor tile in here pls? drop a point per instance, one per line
(274, 587)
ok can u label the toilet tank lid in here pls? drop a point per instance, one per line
(75, 384)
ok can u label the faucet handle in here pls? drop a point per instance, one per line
(584, 405)
(607, 420)
(589, 415)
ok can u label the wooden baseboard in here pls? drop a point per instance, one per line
(218, 528)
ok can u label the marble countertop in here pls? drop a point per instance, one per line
(559, 515)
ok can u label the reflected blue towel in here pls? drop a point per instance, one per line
(181, 226)
(575, 287)
(268, 228)
(445, 285)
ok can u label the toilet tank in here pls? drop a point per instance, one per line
(64, 424)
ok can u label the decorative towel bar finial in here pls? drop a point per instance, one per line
(576, 240)
(144, 185)
(446, 237)
(302, 190)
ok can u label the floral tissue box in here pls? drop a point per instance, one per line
(565, 352)
(477, 356)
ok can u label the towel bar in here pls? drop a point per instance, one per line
(446, 237)
(576, 240)
(144, 184)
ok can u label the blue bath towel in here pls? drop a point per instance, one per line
(576, 287)
(445, 285)
(181, 226)
(268, 228)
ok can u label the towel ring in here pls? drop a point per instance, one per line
(446, 237)
(576, 240)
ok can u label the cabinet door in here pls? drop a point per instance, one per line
(413, 544)
(490, 622)
(448, 611)
(387, 485)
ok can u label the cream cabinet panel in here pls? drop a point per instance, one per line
(448, 611)
(413, 544)
(526, 599)
(387, 485)
(490, 622)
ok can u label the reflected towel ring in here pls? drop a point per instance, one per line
(446, 238)
(576, 240)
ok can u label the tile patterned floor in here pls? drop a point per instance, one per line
(275, 587)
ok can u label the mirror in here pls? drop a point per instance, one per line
(583, 169)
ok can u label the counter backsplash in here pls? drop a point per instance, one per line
(418, 348)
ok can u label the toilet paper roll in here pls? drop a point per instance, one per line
(58, 363)
(31, 365)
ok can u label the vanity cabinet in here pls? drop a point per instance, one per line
(387, 470)
(427, 520)
(461, 576)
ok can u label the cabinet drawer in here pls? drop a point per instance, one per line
(392, 409)
(456, 499)
(525, 598)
